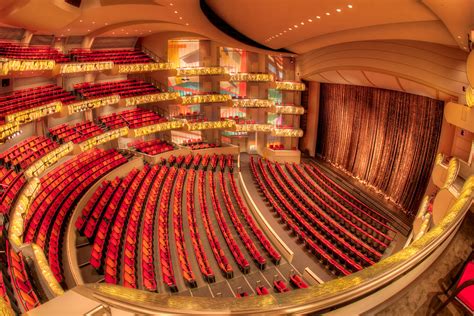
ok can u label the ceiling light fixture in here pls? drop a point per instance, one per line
(187, 24)
(327, 13)
(180, 17)
(302, 23)
(459, 36)
(281, 33)
(338, 10)
(171, 4)
(106, 23)
(296, 26)
(175, 11)
(290, 28)
(93, 22)
(80, 21)
(309, 20)
(318, 17)
(349, 6)
(284, 31)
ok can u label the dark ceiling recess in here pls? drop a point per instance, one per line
(222, 25)
(76, 3)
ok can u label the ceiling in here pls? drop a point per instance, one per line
(277, 24)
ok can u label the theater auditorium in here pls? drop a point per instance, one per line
(216, 157)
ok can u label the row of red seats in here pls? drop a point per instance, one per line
(186, 269)
(294, 221)
(76, 133)
(152, 147)
(24, 99)
(11, 183)
(124, 88)
(25, 153)
(148, 234)
(202, 146)
(24, 290)
(239, 257)
(298, 282)
(163, 235)
(99, 247)
(60, 190)
(117, 230)
(244, 236)
(118, 56)
(7, 289)
(216, 248)
(365, 231)
(199, 251)
(18, 51)
(276, 146)
(327, 230)
(315, 182)
(132, 118)
(274, 255)
(131, 236)
(355, 203)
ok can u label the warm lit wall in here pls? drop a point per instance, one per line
(427, 69)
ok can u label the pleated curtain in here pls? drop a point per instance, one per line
(386, 139)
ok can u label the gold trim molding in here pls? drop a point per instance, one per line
(160, 127)
(252, 77)
(103, 138)
(49, 159)
(7, 130)
(288, 109)
(93, 103)
(205, 98)
(73, 68)
(32, 114)
(290, 86)
(200, 71)
(198, 126)
(252, 103)
(150, 98)
(145, 67)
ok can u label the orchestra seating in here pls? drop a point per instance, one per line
(11, 183)
(132, 118)
(151, 147)
(16, 287)
(76, 133)
(123, 88)
(25, 153)
(153, 200)
(118, 56)
(24, 99)
(18, 51)
(60, 190)
(344, 239)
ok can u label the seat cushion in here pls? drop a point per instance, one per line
(466, 296)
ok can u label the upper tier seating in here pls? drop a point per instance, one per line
(151, 147)
(341, 240)
(153, 197)
(76, 133)
(24, 99)
(118, 56)
(18, 51)
(25, 153)
(60, 190)
(11, 184)
(124, 88)
(132, 118)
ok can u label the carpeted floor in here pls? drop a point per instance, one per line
(421, 294)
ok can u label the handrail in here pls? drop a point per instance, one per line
(336, 292)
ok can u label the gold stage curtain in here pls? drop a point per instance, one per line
(387, 139)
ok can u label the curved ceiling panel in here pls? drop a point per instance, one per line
(415, 67)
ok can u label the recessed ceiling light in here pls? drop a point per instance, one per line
(338, 10)
(106, 23)
(309, 20)
(93, 22)
(349, 6)
(68, 30)
(180, 17)
(175, 11)
(187, 24)
(327, 13)
(296, 26)
(113, 33)
(459, 36)
(284, 31)
(281, 33)
(290, 28)
(318, 17)
(171, 4)
(80, 21)
(126, 33)
(149, 31)
(88, 30)
(302, 23)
